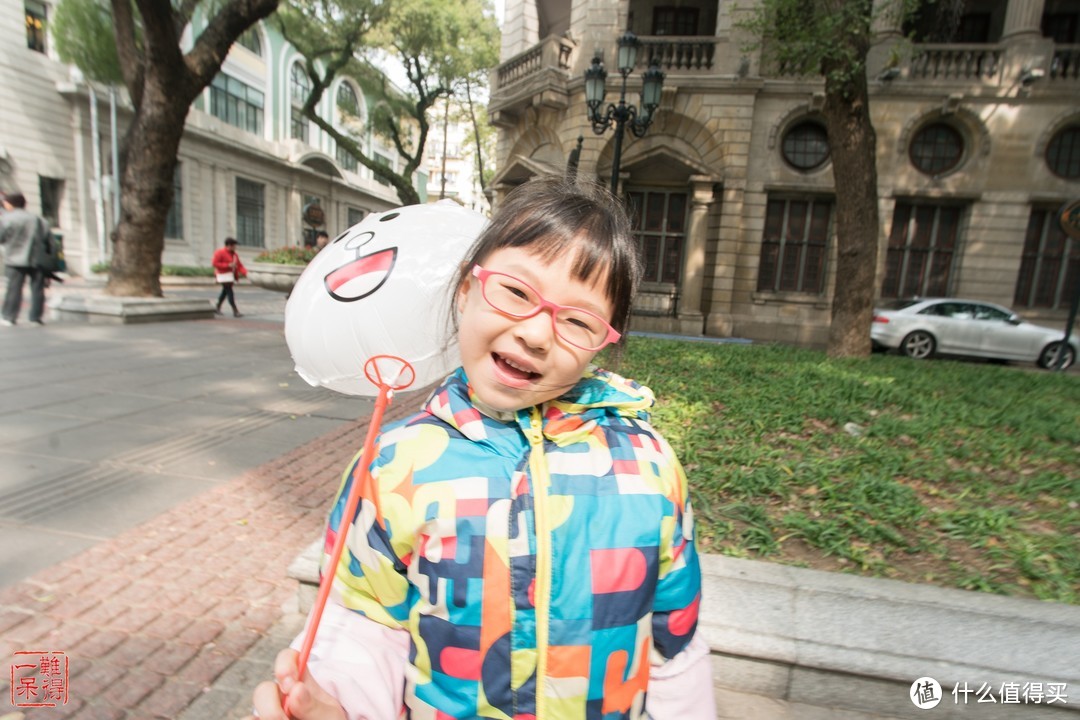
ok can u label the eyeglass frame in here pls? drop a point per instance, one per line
(483, 274)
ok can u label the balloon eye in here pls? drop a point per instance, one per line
(389, 216)
(360, 240)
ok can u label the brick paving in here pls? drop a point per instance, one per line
(152, 618)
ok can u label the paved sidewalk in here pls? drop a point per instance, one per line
(156, 560)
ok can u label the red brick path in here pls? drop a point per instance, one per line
(153, 616)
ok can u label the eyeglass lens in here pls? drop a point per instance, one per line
(576, 326)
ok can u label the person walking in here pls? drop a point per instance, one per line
(25, 239)
(228, 269)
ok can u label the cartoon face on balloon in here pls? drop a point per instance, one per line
(381, 288)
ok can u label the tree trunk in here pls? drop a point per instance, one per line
(476, 136)
(146, 194)
(852, 146)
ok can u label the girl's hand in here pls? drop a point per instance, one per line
(306, 700)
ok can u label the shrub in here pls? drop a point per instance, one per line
(170, 270)
(290, 255)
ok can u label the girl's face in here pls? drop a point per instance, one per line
(516, 363)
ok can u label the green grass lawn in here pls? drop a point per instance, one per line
(958, 474)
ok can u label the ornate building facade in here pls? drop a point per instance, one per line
(978, 146)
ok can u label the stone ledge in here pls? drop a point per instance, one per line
(855, 644)
(858, 643)
(108, 310)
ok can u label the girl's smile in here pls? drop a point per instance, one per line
(517, 362)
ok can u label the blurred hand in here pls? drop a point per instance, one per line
(305, 700)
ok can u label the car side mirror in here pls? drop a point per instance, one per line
(1014, 319)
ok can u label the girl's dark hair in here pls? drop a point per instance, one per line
(552, 216)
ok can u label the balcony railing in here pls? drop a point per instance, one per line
(956, 62)
(678, 53)
(552, 52)
(1066, 63)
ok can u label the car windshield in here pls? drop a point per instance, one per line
(897, 304)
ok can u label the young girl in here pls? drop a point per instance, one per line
(526, 549)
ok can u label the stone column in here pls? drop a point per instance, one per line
(691, 319)
(888, 18)
(1023, 18)
(1029, 55)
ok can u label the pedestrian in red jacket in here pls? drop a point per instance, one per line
(228, 269)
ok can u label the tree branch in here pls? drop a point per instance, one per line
(204, 60)
(131, 60)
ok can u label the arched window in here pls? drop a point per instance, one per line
(346, 100)
(299, 89)
(1063, 153)
(250, 40)
(806, 146)
(299, 84)
(936, 148)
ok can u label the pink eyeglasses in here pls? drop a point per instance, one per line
(516, 298)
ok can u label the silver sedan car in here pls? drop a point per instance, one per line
(923, 327)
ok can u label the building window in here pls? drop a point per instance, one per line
(250, 40)
(347, 102)
(236, 103)
(346, 159)
(35, 25)
(793, 246)
(52, 190)
(174, 221)
(348, 110)
(973, 28)
(298, 124)
(313, 219)
(806, 146)
(678, 21)
(936, 149)
(381, 159)
(922, 245)
(299, 89)
(355, 215)
(1050, 266)
(659, 219)
(1063, 153)
(250, 213)
(1061, 28)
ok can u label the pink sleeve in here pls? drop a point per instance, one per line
(360, 662)
(682, 688)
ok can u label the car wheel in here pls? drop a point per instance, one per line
(919, 345)
(1048, 358)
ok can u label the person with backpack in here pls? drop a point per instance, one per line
(25, 238)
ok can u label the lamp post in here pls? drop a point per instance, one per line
(622, 116)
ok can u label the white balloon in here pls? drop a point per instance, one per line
(382, 287)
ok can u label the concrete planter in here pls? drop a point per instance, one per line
(273, 276)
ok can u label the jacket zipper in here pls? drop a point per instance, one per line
(541, 481)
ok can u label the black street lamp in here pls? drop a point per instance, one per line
(622, 115)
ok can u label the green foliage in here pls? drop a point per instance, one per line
(437, 44)
(290, 255)
(83, 33)
(960, 474)
(827, 38)
(166, 270)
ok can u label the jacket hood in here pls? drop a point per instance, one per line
(600, 396)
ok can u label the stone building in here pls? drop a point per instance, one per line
(249, 163)
(978, 137)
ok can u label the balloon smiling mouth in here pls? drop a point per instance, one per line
(359, 278)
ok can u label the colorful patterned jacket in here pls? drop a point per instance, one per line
(539, 560)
